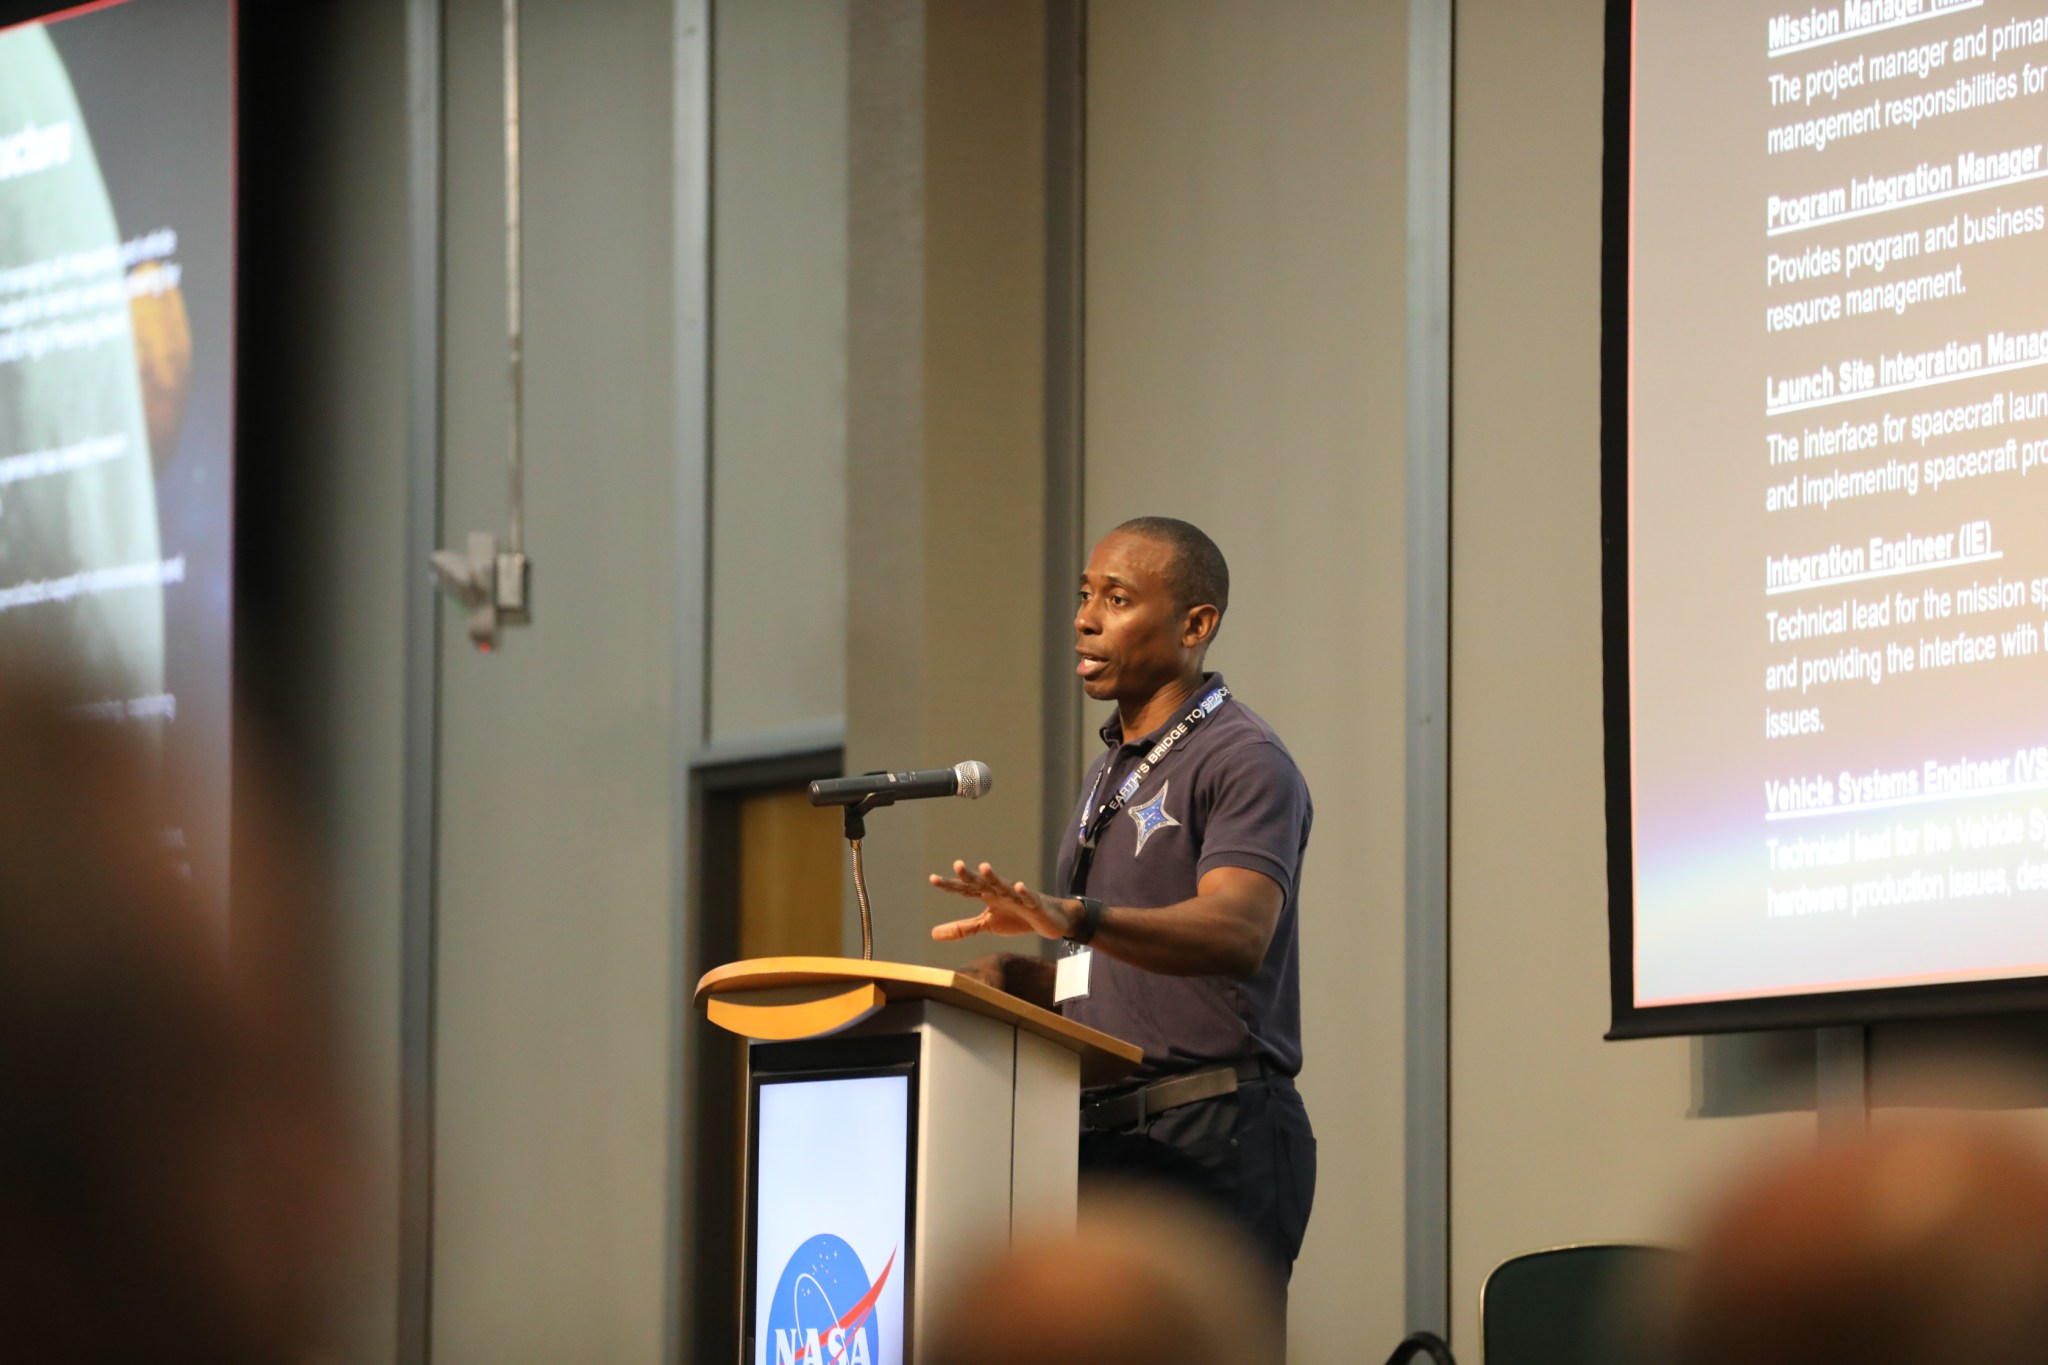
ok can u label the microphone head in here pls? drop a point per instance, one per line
(975, 779)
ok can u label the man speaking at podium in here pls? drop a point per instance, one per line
(1179, 878)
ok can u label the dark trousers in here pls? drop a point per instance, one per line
(1250, 1154)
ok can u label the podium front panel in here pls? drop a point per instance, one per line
(831, 1244)
(882, 1161)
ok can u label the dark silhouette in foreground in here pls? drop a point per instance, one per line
(1143, 1279)
(172, 1165)
(1919, 1245)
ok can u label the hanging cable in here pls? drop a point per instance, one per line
(515, 326)
(493, 584)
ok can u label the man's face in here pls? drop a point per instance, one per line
(1130, 639)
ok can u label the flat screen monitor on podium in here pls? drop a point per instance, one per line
(832, 1145)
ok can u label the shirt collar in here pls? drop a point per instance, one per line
(1112, 731)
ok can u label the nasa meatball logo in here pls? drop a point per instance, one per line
(823, 1312)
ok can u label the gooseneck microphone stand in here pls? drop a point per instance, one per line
(856, 825)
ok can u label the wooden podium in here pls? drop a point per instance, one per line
(991, 1090)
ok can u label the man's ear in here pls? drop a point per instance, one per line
(1198, 627)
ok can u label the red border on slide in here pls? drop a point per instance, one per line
(2019, 972)
(234, 416)
(59, 16)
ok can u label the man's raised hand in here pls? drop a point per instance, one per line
(1007, 908)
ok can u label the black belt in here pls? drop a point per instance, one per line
(1134, 1107)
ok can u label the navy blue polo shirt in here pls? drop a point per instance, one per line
(1228, 794)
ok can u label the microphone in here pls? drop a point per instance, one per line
(964, 780)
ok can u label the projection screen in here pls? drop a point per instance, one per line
(1825, 457)
(117, 368)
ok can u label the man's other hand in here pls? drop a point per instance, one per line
(1007, 908)
(1027, 978)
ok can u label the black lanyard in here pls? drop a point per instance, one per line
(1095, 820)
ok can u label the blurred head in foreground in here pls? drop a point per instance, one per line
(1143, 1279)
(1905, 1248)
(170, 1153)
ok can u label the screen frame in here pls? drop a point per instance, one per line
(1809, 1009)
(833, 1059)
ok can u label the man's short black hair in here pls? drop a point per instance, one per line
(1198, 575)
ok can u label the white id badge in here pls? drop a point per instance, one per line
(1070, 976)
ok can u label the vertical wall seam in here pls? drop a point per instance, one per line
(1842, 1080)
(1427, 799)
(691, 311)
(1066, 94)
(421, 760)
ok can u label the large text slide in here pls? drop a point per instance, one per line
(1838, 495)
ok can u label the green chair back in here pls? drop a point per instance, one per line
(1575, 1305)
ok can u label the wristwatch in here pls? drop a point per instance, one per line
(1091, 920)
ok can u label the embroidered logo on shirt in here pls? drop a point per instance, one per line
(1151, 817)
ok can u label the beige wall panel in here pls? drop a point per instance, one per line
(984, 487)
(1244, 370)
(1556, 1135)
(1986, 1062)
(555, 996)
(778, 406)
(885, 627)
(946, 481)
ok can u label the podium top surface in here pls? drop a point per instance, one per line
(1103, 1058)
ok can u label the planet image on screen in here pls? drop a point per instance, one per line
(163, 354)
(823, 1309)
(81, 569)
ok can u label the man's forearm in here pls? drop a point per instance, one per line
(1198, 937)
(1224, 929)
